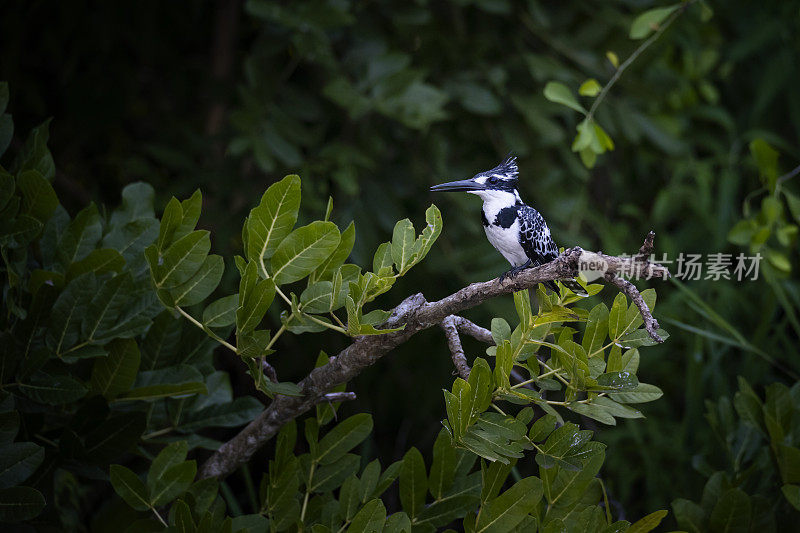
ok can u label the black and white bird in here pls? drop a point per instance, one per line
(515, 229)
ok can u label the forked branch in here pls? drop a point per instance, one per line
(417, 314)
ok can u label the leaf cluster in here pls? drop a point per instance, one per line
(758, 443)
(92, 368)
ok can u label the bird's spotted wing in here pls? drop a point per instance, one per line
(534, 236)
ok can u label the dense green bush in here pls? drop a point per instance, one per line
(95, 373)
(331, 90)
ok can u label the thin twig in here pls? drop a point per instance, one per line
(210, 333)
(456, 350)
(269, 371)
(647, 248)
(472, 329)
(789, 175)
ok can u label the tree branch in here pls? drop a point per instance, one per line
(454, 343)
(417, 314)
(472, 329)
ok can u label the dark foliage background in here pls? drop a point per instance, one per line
(372, 102)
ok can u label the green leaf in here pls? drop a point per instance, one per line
(413, 482)
(183, 517)
(106, 306)
(542, 428)
(641, 337)
(339, 255)
(171, 381)
(190, 209)
(18, 504)
(131, 238)
(137, 204)
(255, 297)
(39, 200)
(345, 436)
(791, 493)
(398, 523)
(766, 158)
(68, 312)
(181, 260)
(98, 261)
(617, 315)
(510, 508)
(173, 483)
(52, 389)
(596, 329)
(34, 154)
(172, 455)
(444, 511)
(18, 461)
(129, 487)
(649, 21)
(648, 523)
(617, 381)
(201, 284)
(111, 438)
(170, 220)
(330, 476)
(221, 312)
(643, 393)
(731, 513)
(273, 219)
(232, 414)
(594, 411)
(561, 94)
(81, 236)
(304, 250)
(589, 88)
(349, 499)
(383, 260)
(319, 298)
(481, 387)
(443, 468)
(116, 373)
(403, 238)
(254, 344)
(690, 516)
(501, 331)
(617, 409)
(431, 232)
(493, 477)
(369, 519)
(791, 199)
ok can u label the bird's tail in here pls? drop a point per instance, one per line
(574, 286)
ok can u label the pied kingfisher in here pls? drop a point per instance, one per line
(516, 230)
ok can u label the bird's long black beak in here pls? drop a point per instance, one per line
(462, 186)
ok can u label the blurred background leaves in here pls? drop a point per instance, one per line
(373, 102)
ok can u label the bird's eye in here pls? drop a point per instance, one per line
(494, 180)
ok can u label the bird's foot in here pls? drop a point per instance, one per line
(514, 271)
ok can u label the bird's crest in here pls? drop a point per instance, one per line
(507, 169)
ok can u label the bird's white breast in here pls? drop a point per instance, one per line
(506, 241)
